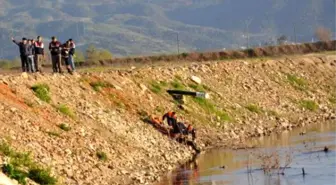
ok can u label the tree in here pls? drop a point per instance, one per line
(323, 34)
(91, 53)
(94, 54)
(79, 56)
(282, 39)
(104, 54)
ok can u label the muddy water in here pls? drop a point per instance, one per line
(296, 150)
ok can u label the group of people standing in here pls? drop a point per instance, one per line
(32, 54)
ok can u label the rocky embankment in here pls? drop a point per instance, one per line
(88, 128)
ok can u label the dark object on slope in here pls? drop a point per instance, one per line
(178, 95)
(326, 149)
(187, 93)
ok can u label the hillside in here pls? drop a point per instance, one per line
(150, 27)
(90, 130)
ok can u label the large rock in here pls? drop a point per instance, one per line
(196, 79)
(4, 180)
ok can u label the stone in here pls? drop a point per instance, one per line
(196, 79)
(24, 75)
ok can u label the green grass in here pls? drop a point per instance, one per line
(29, 103)
(20, 166)
(41, 176)
(101, 155)
(65, 110)
(198, 87)
(64, 127)
(309, 105)
(159, 109)
(42, 92)
(54, 134)
(297, 82)
(117, 101)
(254, 108)
(97, 86)
(178, 77)
(273, 113)
(211, 109)
(15, 173)
(155, 87)
(332, 98)
(177, 85)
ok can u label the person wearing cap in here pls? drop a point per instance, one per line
(39, 54)
(71, 54)
(23, 46)
(55, 52)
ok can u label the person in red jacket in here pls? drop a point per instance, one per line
(55, 48)
(39, 54)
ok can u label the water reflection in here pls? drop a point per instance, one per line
(226, 167)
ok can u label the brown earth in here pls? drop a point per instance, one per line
(249, 98)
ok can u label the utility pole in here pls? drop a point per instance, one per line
(77, 30)
(247, 23)
(294, 29)
(178, 43)
(83, 28)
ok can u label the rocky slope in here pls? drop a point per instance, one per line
(91, 130)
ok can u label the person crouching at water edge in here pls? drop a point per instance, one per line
(65, 56)
(55, 52)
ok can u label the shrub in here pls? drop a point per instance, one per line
(101, 156)
(211, 109)
(177, 85)
(254, 108)
(65, 110)
(14, 173)
(41, 176)
(178, 77)
(97, 86)
(20, 161)
(42, 92)
(28, 103)
(332, 98)
(309, 105)
(64, 127)
(184, 55)
(51, 133)
(297, 82)
(155, 87)
(323, 34)
(198, 87)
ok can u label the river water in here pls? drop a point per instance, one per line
(284, 156)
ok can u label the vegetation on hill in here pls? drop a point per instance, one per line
(151, 27)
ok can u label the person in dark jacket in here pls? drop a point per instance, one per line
(30, 56)
(55, 52)
(23, 46)
(66, 56)
(39, 54)
(72, 54)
